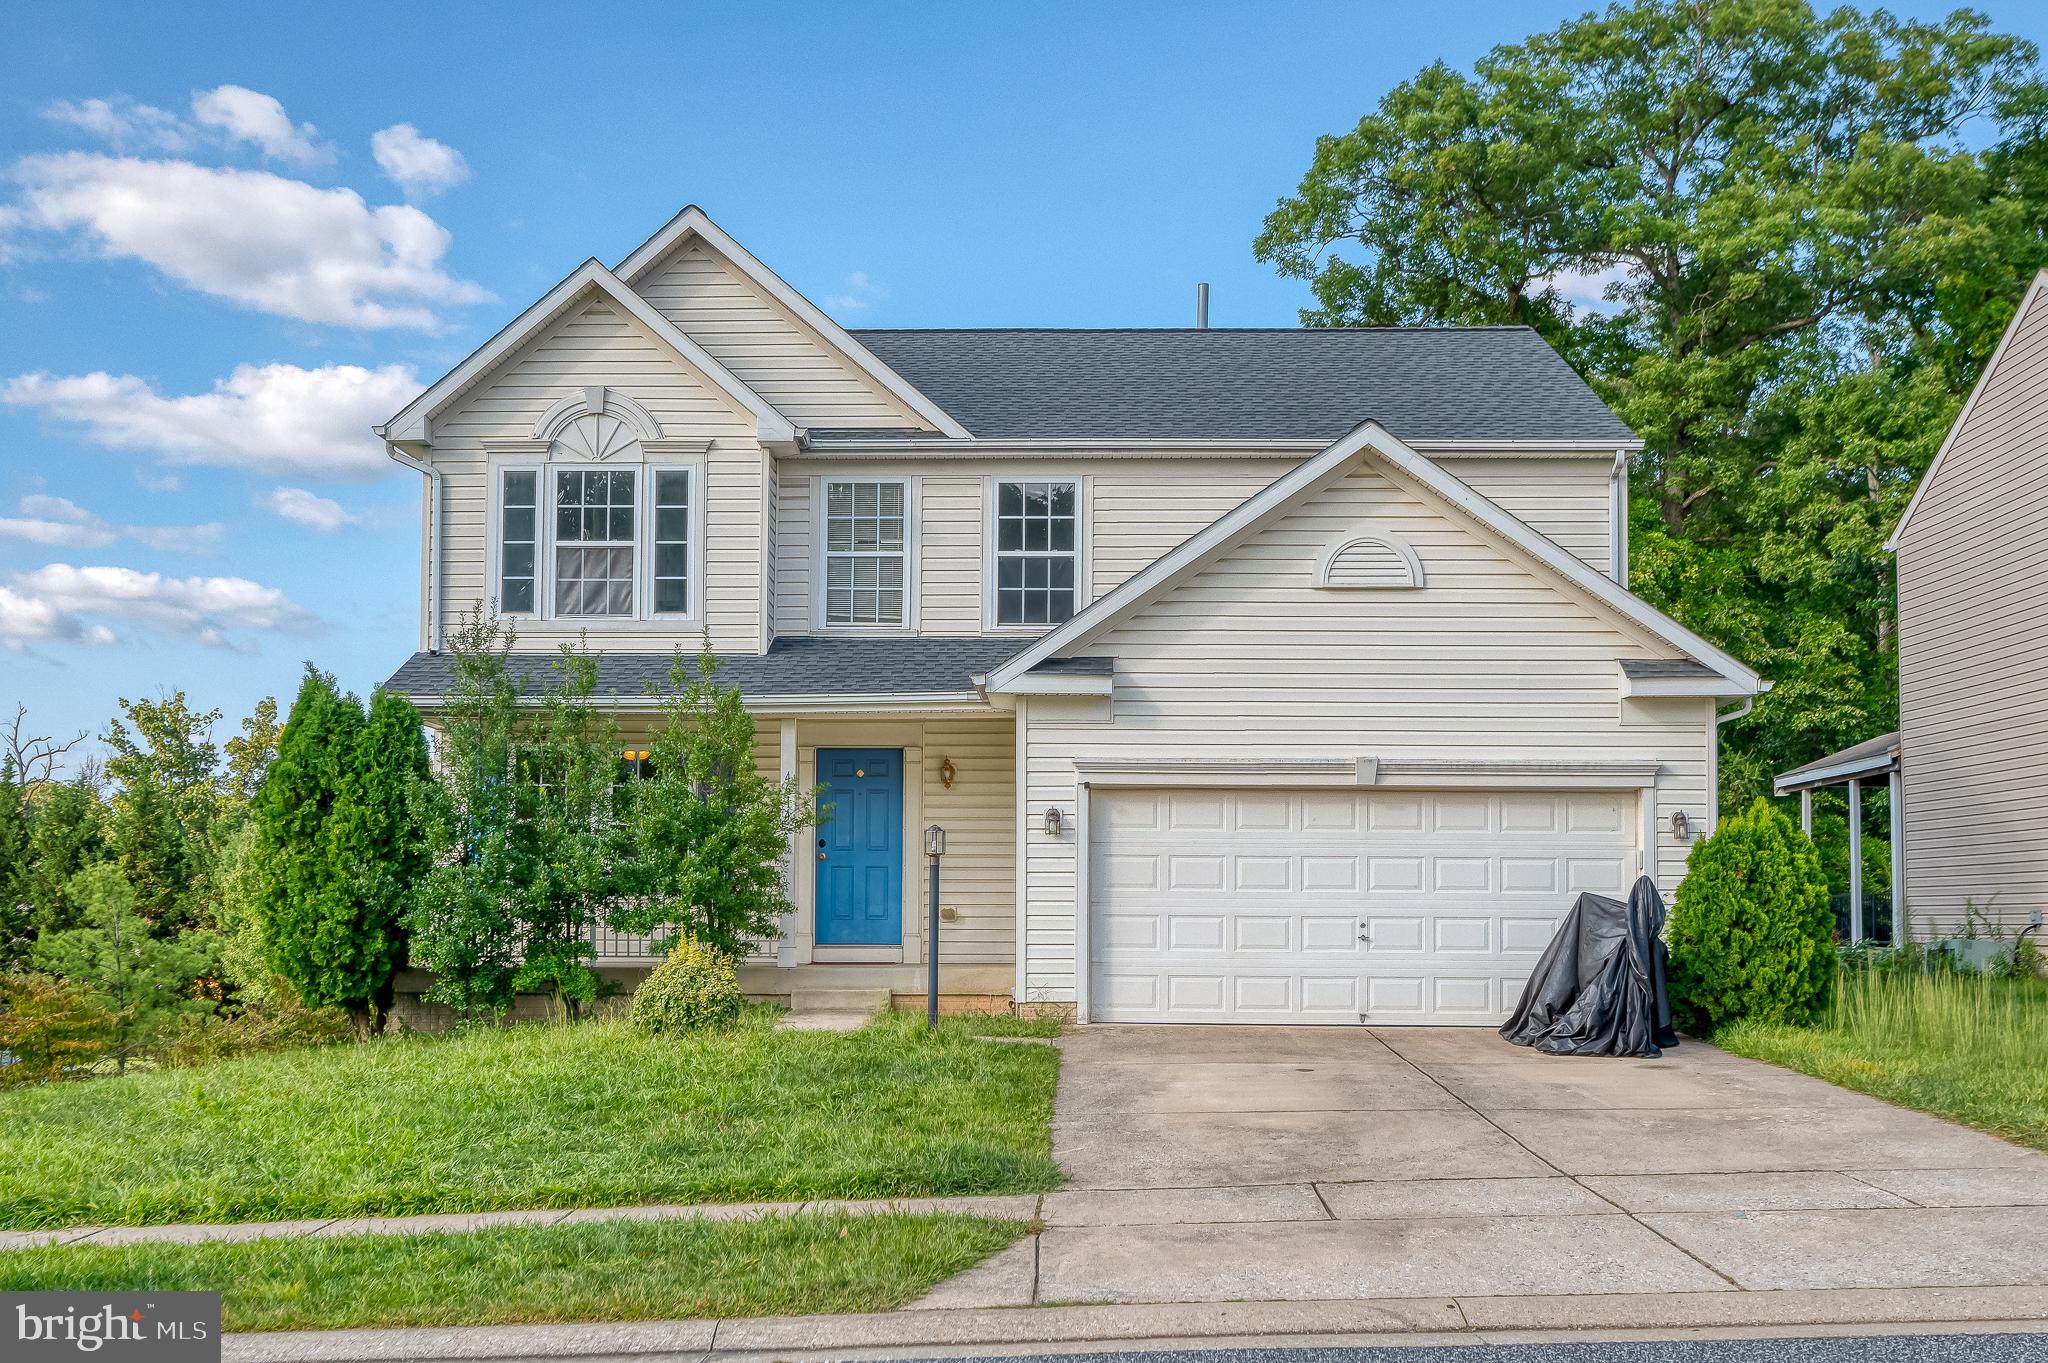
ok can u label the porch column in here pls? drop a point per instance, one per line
(1898, 812)
(1806, 813)
(785, 754)
(1855, 861)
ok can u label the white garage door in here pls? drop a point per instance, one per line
(1336, 906)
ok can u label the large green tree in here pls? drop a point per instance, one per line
(164, 766)
(1779, 243)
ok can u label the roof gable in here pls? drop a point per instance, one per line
(1371, 440)
(2030, 314)
(414, 423)
(693, 225)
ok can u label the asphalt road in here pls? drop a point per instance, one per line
(1983, 1348)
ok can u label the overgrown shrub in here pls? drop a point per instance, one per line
(1751, 934)
(50, 1031)
(283, 1024)
(698, 986)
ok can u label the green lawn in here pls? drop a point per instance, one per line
(545, 1116)
(1967, 1047)
(620, 1270)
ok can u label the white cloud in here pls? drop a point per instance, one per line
(245, 115)
(859, 293)
(274, 419)
(61, 522)
(301, 507)
(123, 123)
(415, 162)
(1586, 290)
(59, 602)
(274, 244)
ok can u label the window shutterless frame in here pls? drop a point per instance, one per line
(1030, 514)
(667, 558)
(860, 565)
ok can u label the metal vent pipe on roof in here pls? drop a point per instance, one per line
(1202, 307)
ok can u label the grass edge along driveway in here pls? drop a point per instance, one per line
(1971, 1048)
(589, 1115)
(685, 1269)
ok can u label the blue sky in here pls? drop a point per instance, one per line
(232, 235)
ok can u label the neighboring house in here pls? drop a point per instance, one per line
(1254, 675)
(1973, 651)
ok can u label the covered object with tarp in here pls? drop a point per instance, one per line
(1599, 988)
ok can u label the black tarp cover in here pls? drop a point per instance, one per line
(1599, 987)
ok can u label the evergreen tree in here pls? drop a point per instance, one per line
(15, 909)
(373, 839)
(66, 834)
(165, 768)
(145, 978)
(316, 858)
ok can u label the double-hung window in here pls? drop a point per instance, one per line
(1037, 556)
(594, 541)
(597, 542)
(866, 563)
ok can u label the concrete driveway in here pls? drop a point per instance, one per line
(1213, 1164)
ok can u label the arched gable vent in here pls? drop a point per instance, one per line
(596, 423)
(1374, 561)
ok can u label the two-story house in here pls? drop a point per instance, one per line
(1255, 675)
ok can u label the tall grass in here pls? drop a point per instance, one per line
(1970, 1047)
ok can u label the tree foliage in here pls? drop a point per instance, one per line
(708, 833)
(164, 765)
(1751, 933)
(335, 852)
(145, 978)
(1780, 244)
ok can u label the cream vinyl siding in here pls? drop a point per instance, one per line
(1243, 658)
(1141, 508)
(763, 345)
(593, 345)
(1973, 652)
(1564, 499)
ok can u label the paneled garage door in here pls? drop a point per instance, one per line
(1337, 906)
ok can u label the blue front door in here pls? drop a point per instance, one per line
(860, 847)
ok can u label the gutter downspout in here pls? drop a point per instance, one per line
(1714, 758)
(433, 477)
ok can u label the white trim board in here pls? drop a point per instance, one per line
(1425, 474)
(2028, 299)
(694, 222)
(414, 423)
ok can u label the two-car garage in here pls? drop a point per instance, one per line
(1338, 905)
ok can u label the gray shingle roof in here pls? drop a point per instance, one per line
(1644, 668)
(793, 666)
(1421, 383)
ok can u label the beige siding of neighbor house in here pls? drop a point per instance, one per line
(1973, 654)
(763, 344)
(593, 344)
(1493, 660)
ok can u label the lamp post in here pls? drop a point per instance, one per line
(934, 847)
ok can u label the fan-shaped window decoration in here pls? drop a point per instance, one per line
(596, 424)
(1374, 561)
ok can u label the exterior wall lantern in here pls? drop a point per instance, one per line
(1054, 822)
(947, 771)
(1681, 827)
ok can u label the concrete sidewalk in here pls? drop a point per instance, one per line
(1063, 1329)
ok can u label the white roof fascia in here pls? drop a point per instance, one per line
(1682, 686)
(694, 222)
(1417, 468)
(2019, 315)
(1790, 781)
(412, 424)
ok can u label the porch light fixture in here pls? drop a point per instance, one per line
(1681, 827)
(935, 841)
(947, 772)
(1053, 821)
